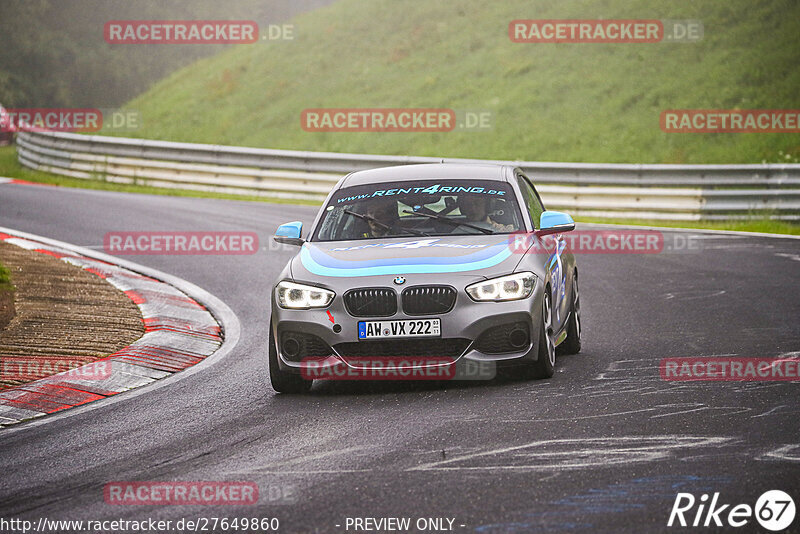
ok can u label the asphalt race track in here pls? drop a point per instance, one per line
(603, 446)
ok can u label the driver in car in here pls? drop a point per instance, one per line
(476, 209)
(383, 218)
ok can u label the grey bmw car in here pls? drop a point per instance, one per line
(424, 267)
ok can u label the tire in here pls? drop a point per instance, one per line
(281, 381)
(572, 345)
(544, 366)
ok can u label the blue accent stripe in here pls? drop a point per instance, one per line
(322, 258)
(395, 266)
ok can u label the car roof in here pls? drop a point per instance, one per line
(428, 171)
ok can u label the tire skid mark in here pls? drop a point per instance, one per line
(771, 411)
(581, 453)
(786, 453)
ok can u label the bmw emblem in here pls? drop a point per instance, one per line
(399, 280)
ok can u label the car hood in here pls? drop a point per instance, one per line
(472, 255)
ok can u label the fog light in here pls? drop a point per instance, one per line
(518, 338)
(291, 347)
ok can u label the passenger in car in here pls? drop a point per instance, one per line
(476, 209)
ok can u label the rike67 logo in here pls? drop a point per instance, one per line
(774, 511)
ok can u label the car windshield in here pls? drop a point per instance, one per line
(420, 208)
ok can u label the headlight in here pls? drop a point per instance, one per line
(301, 297)
(512, 287)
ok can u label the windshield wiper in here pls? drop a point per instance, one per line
(450, 220)
(370, 218)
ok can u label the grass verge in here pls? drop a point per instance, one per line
(7, 310)
(758, 225)
(5, 278)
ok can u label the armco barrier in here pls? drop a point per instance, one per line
(640, 191)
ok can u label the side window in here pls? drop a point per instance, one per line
(532, 201)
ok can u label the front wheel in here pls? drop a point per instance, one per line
(544, 366)
(281, 381)
(572, 345)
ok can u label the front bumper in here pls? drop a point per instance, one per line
(465, 323)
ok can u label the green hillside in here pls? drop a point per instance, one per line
(550, 102)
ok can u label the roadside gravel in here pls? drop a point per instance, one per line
(63, 314)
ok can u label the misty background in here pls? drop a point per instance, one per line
(52, 52)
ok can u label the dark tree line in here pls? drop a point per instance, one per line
(52, 52)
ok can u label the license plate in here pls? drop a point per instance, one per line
(405, 328)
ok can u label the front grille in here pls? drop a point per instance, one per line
(427, 300)
(405, 348)
(498, 339)
(307, 346)
(371, 302)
